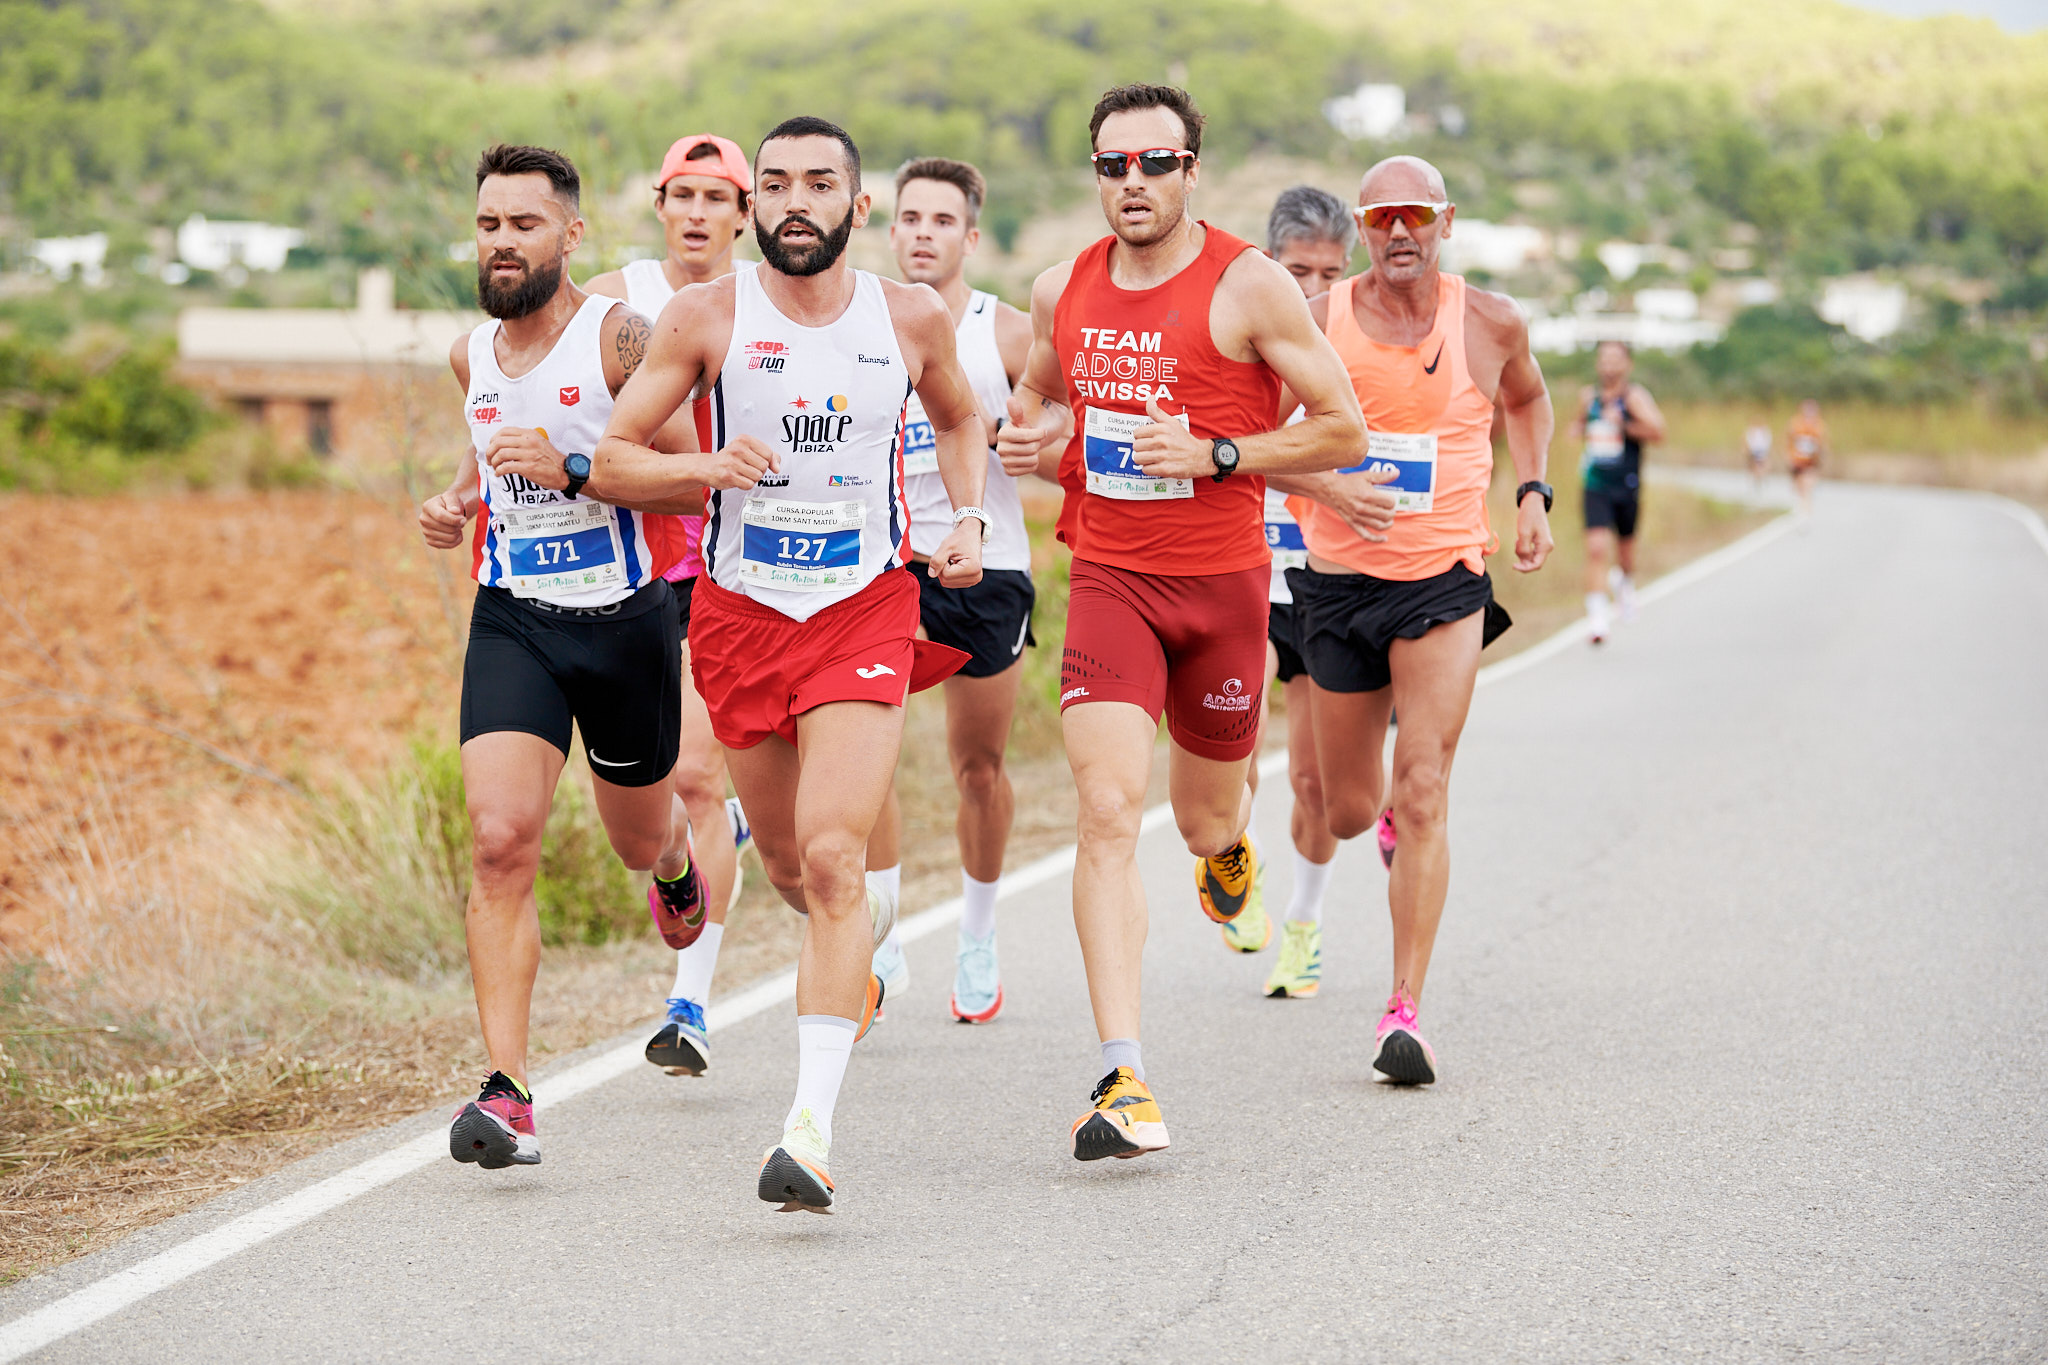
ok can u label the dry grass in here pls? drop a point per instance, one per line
(229, 906)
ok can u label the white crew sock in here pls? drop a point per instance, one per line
(978, 906)
(1311, 879)
(1118, 1052)
(823, 1043)
(696, 963)
(888, 883)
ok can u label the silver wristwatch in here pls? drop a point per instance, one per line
(961, 514)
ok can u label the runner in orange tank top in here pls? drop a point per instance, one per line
(1169, 343)
(1396, 623)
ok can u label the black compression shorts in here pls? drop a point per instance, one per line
(991, 620)
(1347, 623)
(617, 677)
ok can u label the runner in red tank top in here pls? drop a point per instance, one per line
(1168, 343)
(1396, 621)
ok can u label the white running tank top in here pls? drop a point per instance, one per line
(931, 510)
(572, 552)
(647, 288)
(829, 400)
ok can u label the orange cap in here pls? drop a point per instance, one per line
(729, 164)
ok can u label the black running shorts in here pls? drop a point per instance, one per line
(1348, 622)
(617, 678)
(1612, 509)
(685, 590)
(1285, 638)
(990, 621)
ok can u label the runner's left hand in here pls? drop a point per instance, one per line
(1532, 534)
(1165, 449)
(527, 453)
(957, 561)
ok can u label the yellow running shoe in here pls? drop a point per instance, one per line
(1229, 881)
(1124, 1122)
(1252, 930)
(1299, 972)
(793, 1171)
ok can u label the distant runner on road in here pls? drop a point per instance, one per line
(1756, 443)
(803, 635)
(1616, 419)
(1398, 623)
(700, 196)
(1806, 446)
(573, 624)
(1166, 344)
(933, 234)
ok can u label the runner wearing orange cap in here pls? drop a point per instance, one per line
(700, 196)
(1397, 621)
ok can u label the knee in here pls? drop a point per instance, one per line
(785, 873)
(1308, 793)
(638, 850)
(700, 780)
(1207, 832)
(835, 872)
(1421, 797)
(504, 850)
(1108, 818)
(1350, 814)
(979, 777)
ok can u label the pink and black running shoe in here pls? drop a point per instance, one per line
(1383, 831)
(678, 907)
(495, 1130)
(1404, 1057)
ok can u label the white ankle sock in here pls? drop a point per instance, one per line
(1311, 880)
(1118, 1052)
(978, 906)
(823, 1043)
(696, 963)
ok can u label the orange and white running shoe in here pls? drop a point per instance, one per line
(1124, 1122)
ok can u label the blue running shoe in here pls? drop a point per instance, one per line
(742, 832)
(893, 968)
(977, 983)
(679, 1047)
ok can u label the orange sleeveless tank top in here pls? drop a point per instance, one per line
(1424, 415)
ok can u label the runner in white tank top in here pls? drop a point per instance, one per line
(700, 199)
(803, 638)
(572, 629)
(933, 234)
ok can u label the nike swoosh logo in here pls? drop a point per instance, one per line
(1227, 905)
(607, 763)
(1430, 368)
(877, 671)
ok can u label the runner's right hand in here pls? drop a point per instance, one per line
(442, 518)
(1019, 443)
(1358, 498)
(742, 464)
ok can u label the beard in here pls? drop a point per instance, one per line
(519, 300)
(801, 261)
(1165, 219)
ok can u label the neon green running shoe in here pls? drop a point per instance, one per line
(1252, 929)
(1299, 972)
(793, 1171)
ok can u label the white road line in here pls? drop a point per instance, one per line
(2027, 517)
(83, 1307)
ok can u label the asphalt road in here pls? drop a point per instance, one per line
(1740, 1008)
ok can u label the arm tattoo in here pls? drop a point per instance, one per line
(632, 344)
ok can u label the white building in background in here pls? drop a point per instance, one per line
(62, 255)
(206, 245)
(1498, 248)
(1624, 259)
(1864, 307)
(1671, 305)
(1664, 320)
(1368, 113)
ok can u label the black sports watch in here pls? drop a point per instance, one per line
(1534, 486)
(577, 467)
(1223, 451)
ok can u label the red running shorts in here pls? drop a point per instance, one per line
(1193, 647)
(757, 670)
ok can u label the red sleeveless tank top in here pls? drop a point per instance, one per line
(1120, 347)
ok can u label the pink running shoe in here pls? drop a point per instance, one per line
(495, 1130)
(678, 907)
(1384, 832)
(1403, 1057)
